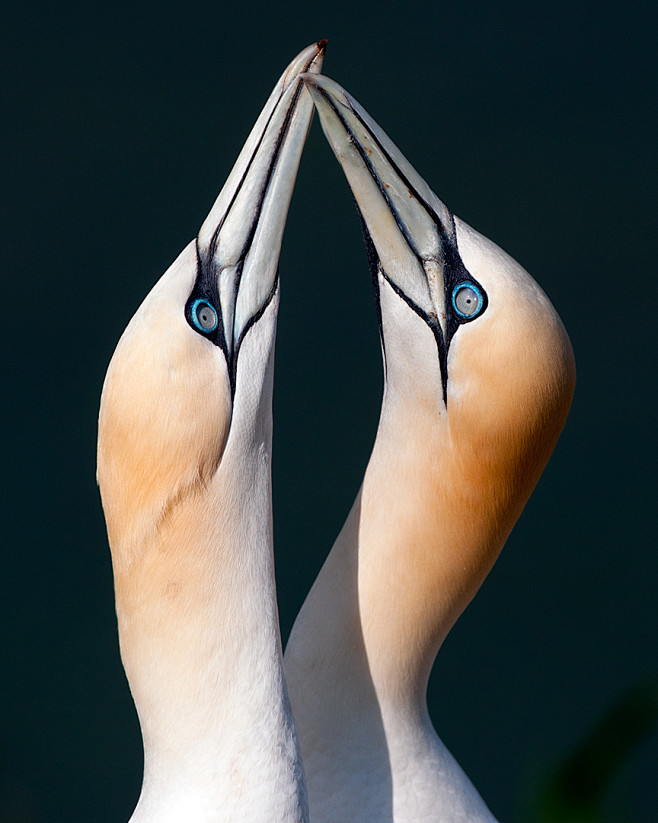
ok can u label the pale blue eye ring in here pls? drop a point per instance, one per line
(204, 316)
(467, 300)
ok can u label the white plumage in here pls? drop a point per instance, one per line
(479, 376)
(184, 462)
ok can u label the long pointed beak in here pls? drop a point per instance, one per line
(411, 230)
(239, 243)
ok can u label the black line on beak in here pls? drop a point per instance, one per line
(433, 323)
(207, 278)
(373, 258)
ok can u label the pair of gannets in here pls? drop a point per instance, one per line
(479, 375)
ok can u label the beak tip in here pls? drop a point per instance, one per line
(322, 86)
(322, 45)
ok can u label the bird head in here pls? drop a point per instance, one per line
(194, 364)
(467, 335)
(479, 376)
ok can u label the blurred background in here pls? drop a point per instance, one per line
(535, 123)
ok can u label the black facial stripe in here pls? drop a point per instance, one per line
(218, 336)
(433, 323)
(283, 133)
(374, 263)
(207, 277)
(205, 288)
(233, 367)
(454, 270)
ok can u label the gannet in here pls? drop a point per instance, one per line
(184, 450)
(479, 376)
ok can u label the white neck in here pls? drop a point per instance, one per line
(368, 754)
(363, 644)
(199, 634)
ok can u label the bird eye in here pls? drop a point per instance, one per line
(467, 300)
(204, 316)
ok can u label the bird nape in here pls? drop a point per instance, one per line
(479, 376)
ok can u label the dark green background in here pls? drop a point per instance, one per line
(535, 122)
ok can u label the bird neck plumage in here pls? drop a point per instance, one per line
(361, 650)
(200, 642)
(419, 540)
